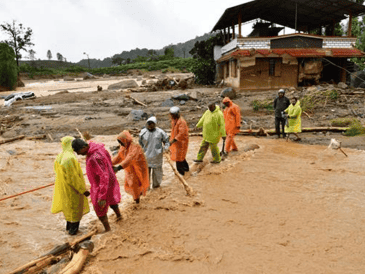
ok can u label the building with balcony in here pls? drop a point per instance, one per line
(266, 60)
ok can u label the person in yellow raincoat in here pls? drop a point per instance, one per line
(294, 119)
(213, 125)
(70, 192)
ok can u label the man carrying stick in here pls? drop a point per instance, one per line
(179, 140)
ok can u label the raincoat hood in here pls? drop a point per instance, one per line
(125, 137)
(152, 119)
(217, 109)
(93, 147)
(67, 143)
(227, 100)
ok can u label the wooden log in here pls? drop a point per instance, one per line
(49, 258)
(82, 136)
(78, 259)
(12, 139)
(136, 101)
(36, 137)
(42, 264)
(76, 263)
(50, 137)
(188, 189)
(25, 267)
(83, 238)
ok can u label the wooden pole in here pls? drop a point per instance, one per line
(239, 24)
(224, 36)
(188, 189)
(350, 25)
(233, 31)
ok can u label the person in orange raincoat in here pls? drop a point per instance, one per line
(131, 158)
(232, 118)
(179, 140)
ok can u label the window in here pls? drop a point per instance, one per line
(272, 67)
(275, 66)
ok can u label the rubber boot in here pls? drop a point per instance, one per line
(105, 222)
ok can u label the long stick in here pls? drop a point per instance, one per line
(15, 195)
(343, 151)
(188, 189)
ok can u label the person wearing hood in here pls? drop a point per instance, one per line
(132, 160)
(281, 103)
(232, 119)
(213, 125)
(105, 190)
(69, 195)
(151, 139)
(295, 121)
(179, 140)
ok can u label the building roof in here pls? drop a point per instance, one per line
(304, 53)
(311, 14)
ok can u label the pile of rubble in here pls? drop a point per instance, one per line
(342, 99)
(152, 85)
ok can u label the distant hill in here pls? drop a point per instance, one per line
(179, 49)
(48, 64)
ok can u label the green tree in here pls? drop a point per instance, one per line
(117, 60)
(20, 38)
(358, 30)
(32, 55)
(49, 54)
(204, 66)
(59, 57)
(169, 52)
(8, 67)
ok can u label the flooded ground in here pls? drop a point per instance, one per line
(283, 208)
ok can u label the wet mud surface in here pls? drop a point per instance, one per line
(286, 207)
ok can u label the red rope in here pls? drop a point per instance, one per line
(12, 196)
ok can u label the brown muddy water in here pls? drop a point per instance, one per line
(284, 208)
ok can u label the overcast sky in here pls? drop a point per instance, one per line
(103, 28)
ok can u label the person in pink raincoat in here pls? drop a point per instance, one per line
(105, 190)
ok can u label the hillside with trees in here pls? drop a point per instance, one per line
(126, 57)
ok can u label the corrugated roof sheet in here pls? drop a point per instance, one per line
(310, 13)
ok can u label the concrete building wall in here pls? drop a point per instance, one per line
(258, 76)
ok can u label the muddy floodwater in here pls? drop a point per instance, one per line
(282, 208)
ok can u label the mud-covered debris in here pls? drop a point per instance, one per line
(229, 92)
(167, 103)
(250, 147)
(123, 85)
(136, 115)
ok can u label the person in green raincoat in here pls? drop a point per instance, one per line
(294, 119)
(213, 125)
(70, 194)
